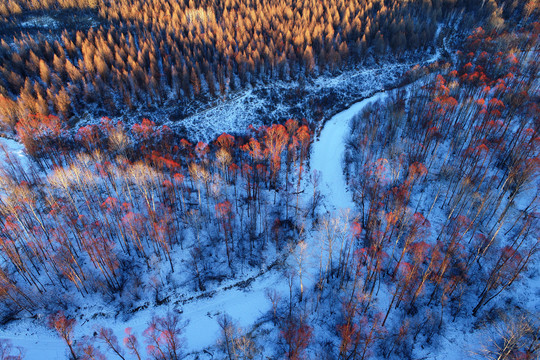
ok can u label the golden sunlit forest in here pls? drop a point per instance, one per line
(151, 53)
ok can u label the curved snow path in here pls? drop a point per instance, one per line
(245, 306)
(327, 156)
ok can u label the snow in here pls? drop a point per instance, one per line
(244, 306)
(437, 54)
(200, 314)
(463, 336)
(44, 21)
(327, 155)
(251, 106)
(36, 344)
(11, 150)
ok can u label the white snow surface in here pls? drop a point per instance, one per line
(327, 155)
(11, 150)
(43, 21)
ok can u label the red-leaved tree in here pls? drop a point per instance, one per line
(297, 335)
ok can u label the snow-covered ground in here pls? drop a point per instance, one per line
(270, 103)
(12, 150)
(43, 21)
(244, 305)
(327, 156)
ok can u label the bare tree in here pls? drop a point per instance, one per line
(511, 336)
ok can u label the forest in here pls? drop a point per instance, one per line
(147, 54)
(127, 240)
